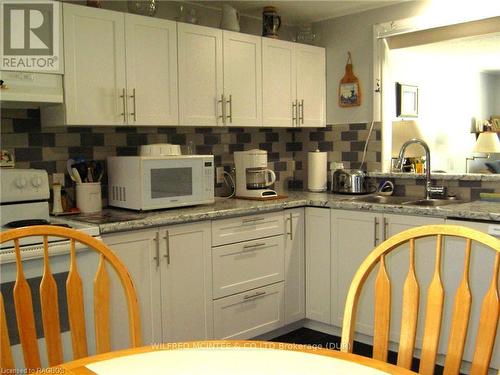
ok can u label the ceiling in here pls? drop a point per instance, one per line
(302, 12)
(481, 51)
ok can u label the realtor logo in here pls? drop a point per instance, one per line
(30, 35)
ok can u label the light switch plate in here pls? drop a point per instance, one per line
(219, 175)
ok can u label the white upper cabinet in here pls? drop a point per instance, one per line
(311, 85)
(94, 53)
(120, 68)
(200, 75)
(294, 92)
(279, 83)
(242, 79)
(151, 70)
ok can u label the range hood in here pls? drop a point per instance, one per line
(30, 90)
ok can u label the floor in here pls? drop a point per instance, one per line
(308, 336)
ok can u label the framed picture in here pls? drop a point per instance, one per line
(406, 100)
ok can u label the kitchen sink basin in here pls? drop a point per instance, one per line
(431, 202)
(382, 199)
(405, 201)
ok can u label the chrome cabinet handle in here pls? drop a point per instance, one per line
(167, 252)
(301, 111)
(230, 102)
(123, 96)
(252, 219)
(375, 231)
(135, 106)
(294, 113)
(386, 224)
(256, 294)
(223, 109)
(157, 251)
(253, 246)
(291, 227)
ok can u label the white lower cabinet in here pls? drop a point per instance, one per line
(317, 244)
(295, 283)
(171, 270)
(354, 235)
(258, 273)
(249, 314)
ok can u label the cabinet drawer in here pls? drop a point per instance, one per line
(249, 314)
(247, 265)
(246, 228)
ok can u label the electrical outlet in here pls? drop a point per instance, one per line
(58, 178)
(219, 178)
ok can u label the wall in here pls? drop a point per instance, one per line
(355, 33)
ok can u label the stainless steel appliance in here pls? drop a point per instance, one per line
(154, 182)
(350, 181)
(253, 178)
(24, 202)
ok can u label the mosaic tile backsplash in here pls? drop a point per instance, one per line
(45, 147)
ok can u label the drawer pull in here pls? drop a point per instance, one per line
(252, 219)
(255, 295)
(253, 246)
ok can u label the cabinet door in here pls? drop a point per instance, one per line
(200, 75)
(186, 282)
(318, 264)
(295, 306)
(151, 70)
(243, 79)
(354, 235)
(278, 83)
(138, 250)
(311, 85)
(94, 53)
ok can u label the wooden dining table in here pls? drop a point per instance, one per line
(228, 357)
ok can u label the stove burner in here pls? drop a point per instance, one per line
(32, 222)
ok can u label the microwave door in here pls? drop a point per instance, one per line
(171, 185)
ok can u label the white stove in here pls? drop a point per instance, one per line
(24, 202)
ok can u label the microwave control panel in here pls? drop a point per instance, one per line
(208, 168)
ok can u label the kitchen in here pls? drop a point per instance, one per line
(46, 138)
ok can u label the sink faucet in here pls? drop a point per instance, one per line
(399, 164)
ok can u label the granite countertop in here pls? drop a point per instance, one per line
(438, 176)
(116, 220)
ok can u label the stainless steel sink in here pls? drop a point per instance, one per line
(430, 202)
(382, 199)
(405, 201)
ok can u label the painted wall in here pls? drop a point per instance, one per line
(355, 33)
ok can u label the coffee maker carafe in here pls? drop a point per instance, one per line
(252, 175)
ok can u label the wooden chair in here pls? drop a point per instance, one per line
(488, 320)
(74, 291)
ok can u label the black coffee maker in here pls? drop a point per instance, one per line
(271, 22)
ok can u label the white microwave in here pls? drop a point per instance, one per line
(154, 182)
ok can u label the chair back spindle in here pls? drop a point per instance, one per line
(382, 313)
(409, 315)
(101, 308)
(50, 310)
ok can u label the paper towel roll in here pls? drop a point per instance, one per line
(316, 170)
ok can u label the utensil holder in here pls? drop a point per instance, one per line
(88, 197)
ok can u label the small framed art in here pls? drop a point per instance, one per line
(406, 100)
